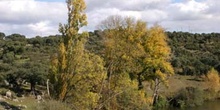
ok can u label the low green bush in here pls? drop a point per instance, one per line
(188, 97)
(162, 102)
(3, 91)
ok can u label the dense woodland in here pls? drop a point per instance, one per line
(109, 69)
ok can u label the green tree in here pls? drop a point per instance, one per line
(16, 37)
(35, 73)
(8, 57)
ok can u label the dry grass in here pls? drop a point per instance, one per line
(176, 83)
(27, 101)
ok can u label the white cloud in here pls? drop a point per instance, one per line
(190, 10)
(35, 17)
(31, 17)
(191, 6)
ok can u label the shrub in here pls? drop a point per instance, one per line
(3, 91)
(210, 94)
(188, 97)
(133, 100)
(8, 57)
(161, 103)
(212, 80)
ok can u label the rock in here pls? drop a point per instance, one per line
(22, 96)
(22, 106)
(5, 97)
(6, 83)
(15, 100)
(1, 98)
(39, 98)
(7, 107)
(9, 94)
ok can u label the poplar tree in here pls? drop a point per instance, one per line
(75, 73)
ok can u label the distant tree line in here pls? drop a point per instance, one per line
(192, 53)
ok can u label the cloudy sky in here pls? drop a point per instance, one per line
(41, 17)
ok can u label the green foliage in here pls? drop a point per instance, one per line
(16, 37)
(162, 102)
(189, 97)
(35, 74)
(3, 91)
(8, 57)
(194, 53)
(37, 41)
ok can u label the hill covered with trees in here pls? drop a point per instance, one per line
(122, 66)
(192, 53)
(27, 59)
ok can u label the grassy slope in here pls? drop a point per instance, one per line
(176, 83)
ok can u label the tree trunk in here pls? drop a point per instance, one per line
(63, 91)
(33, 87)
(140, 85)
(48, 89)
(155, 93)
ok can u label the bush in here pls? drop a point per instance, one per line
(188, 97)
(133, 100)
(8, 57)
(161, 103)
(3, 91)
(210, 94)
(212, 80)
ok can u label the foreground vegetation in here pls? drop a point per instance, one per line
(124, 65)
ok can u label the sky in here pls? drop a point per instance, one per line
(42, 17)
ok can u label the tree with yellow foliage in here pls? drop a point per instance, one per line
(75, 73)
(122, 49)
(156, 63)
(131, 48)
(122, 42)
(212, 80)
